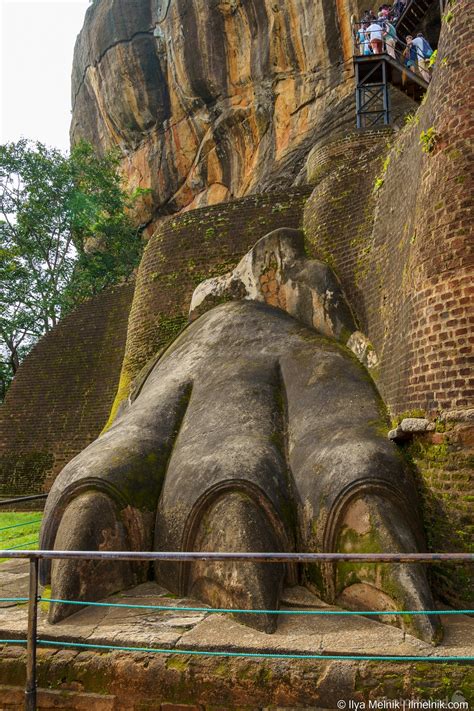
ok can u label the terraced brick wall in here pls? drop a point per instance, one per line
(61, 397)
(187, 249)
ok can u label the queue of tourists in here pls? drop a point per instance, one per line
(389, 12)
(376, 34)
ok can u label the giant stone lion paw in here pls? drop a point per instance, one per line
(256, 430)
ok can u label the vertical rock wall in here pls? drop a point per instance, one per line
(225, 100)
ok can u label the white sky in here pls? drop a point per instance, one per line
(37, 41)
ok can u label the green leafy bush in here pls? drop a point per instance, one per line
(428, 139)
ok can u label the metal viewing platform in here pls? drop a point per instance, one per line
(373, 74)
(379, 62)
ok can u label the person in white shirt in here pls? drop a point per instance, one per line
(375, 33)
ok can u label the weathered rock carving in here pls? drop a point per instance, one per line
(277, 272)
(253, 431)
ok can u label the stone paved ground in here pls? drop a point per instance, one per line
(14, 577)
(208, 631)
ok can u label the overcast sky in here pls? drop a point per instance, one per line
(37, 42)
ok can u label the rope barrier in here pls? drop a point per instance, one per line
(14, 599)
(222, 610)
(20, 499)
(245, 655)
(16, 525)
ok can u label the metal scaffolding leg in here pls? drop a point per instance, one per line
(372, 95)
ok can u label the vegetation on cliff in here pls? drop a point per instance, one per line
(65, 234)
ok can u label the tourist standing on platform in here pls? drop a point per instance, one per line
(375, 33)
(363, 40)
(410, 55)
(368, 16)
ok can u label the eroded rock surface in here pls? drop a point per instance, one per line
(223, 98)
(276, 271)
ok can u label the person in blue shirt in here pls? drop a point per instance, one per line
(423, 53)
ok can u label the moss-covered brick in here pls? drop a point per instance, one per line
(62, 394)
(185, 251)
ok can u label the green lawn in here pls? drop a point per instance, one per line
(21, 536)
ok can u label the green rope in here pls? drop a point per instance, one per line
(245, 655)
(14, 599)
(260, 612)
(167, 608)
(16, 525)
(30, 543)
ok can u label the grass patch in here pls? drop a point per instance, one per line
(23, 534)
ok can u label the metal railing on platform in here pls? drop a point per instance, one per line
(394, 48)
(33, 599)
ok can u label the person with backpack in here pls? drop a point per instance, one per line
(423, 52)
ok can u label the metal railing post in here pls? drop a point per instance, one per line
(30, 691)
(385, 95)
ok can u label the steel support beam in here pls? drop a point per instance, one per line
(372, 94)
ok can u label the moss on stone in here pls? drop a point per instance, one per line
(179, 663)
(123, 391)
(348, 573)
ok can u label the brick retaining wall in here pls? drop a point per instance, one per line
(62, 393)
(404, 257)
(186, 250)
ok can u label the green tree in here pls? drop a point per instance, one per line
(65, 234)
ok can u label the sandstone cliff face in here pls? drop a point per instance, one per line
(224, 99)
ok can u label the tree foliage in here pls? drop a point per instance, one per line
(65, 234)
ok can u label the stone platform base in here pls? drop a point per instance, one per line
(75, 681)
